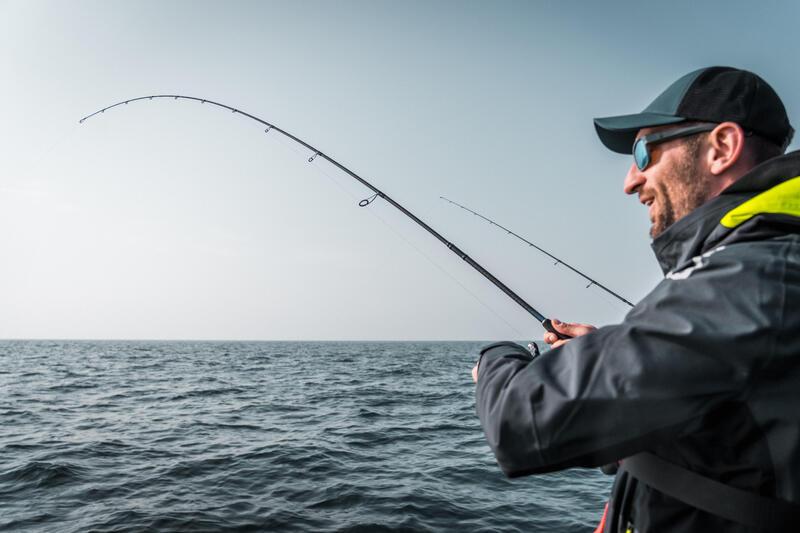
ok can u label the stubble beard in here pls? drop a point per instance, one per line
(687, 189)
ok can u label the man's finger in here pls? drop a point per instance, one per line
(573, 330)
(561, 327)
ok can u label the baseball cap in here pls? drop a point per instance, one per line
(713, 94)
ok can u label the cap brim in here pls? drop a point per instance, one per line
(618, 133)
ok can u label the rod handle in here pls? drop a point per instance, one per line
(549, 327)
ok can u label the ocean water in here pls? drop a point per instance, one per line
(103, 436)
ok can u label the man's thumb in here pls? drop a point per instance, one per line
(573, 330)
(563, 327)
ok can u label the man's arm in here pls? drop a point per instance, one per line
(620, 389)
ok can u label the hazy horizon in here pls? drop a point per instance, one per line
(172, 220)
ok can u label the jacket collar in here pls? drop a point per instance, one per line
(701, 230)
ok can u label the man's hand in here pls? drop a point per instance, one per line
(573, 330)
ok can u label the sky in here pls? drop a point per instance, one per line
(169, 219)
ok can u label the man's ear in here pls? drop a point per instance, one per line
(726, 143)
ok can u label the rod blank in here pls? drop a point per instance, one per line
(317, 153)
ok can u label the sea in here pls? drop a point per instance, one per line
(141, 436)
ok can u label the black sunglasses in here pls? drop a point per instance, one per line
(641, 147)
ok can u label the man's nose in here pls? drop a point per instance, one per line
(633, 180)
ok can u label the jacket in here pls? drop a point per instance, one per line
(704, 372)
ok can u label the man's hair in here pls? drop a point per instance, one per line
(761, 148)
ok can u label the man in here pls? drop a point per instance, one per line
(695, 394)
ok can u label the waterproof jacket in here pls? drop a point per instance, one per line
(704, 372)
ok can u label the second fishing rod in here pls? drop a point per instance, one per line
(545, 252)
(545, 322)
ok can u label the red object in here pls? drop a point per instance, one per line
(602, 525)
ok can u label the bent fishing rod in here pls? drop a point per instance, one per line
(545, 252)
(363, 203)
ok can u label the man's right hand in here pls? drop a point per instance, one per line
(573, 330)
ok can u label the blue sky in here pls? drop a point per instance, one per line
(167, 219)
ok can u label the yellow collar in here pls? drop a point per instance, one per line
(781, 199)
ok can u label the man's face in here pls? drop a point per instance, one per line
(673, 184)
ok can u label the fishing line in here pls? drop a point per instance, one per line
(612, 302)
(366, 201)
(68, 133)
(545, 322)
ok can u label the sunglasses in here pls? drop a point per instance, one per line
(641, 147)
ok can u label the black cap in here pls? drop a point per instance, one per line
(713, 94)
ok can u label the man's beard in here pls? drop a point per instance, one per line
(688, 189)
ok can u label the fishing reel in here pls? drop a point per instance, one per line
(534, 349)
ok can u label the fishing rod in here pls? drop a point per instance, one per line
(363, 203)
(545, 252)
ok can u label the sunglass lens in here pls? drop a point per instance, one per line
(641, 155)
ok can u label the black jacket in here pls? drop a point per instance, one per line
(704, 372)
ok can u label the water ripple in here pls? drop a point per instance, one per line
(202, 436)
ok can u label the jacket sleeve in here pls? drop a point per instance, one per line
(679, 354)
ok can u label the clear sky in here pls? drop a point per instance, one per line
(173, 220)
